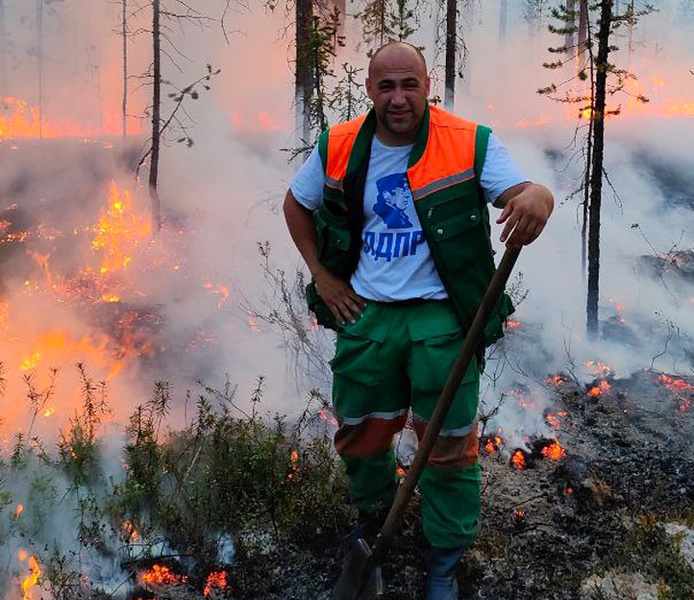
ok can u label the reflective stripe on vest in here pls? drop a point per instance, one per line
(449, 157)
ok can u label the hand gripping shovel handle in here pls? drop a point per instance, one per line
(356, 581)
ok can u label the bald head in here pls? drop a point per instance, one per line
(398, 87)
(397, 51)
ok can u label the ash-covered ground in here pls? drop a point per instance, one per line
(610, 518)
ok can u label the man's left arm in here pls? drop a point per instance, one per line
(526, 209)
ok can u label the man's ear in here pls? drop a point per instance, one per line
(367, 83)
(428, 85)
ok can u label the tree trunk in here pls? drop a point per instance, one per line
(3, 52)
(39, 58)
(125, 71)
(582, 30)
(303, 76)
(156, 116)
(503, 16)
(596, 171)
(569, 37)
(451, 47)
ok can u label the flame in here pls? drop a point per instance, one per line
(223, 291)
(599, 369)
(554, 451)
(215, 580)
(23, 122)
(511, 324)
(161, 575)
(129, 531)
(32, 579)
(493, 444)
(518, 460)
(325, 415)
(19, 510)
(253, 324)
(120, 231)
(602, 388)
(400, 472)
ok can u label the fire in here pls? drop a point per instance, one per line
(554, 451)
(253, 324)
(675, 385)
(18, 511)
(556, 380)
(161, 575)
(518, 460)
(32, 579)
(554, 419)
(215, 580)
(222, 291)
(511, 324)
(24, 122)
(120, 231)
(129, 531)
(493, 444)
(602, 388)
(599, 369)
(325, 415)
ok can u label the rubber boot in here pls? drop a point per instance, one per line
(441, 581)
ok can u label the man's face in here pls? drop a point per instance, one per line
(398, 87)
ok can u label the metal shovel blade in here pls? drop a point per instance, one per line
(360, 579)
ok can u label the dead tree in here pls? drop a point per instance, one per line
(124, 35)
(155, 201)
(4, 51)
(594, 77)
(598, 137)
(303, 75)
(451, 52)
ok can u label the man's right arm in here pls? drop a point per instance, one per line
(337, 294)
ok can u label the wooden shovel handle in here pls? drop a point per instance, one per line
(472, 342)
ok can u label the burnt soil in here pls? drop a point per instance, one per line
(628, 466)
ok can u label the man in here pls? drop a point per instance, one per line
(390, 214)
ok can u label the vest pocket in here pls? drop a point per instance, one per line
(333, 239)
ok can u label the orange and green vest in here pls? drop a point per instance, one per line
(443, 174)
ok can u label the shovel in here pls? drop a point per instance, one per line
(361, 574)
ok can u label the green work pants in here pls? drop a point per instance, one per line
(393, 360)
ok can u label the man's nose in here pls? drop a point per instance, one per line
(398, 95)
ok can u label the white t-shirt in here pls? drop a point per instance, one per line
(395, 262)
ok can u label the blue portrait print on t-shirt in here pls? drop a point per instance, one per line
(392, 200)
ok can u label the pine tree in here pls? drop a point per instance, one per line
(595, 79)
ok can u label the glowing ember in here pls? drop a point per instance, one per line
(598, 390)
(556, 380)
(400, 472)
(511, 324)
(554, 451)
(675, 385)
(32, 579)
(215, 580)
(554, 419)
(161, 575)
(518, 460)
